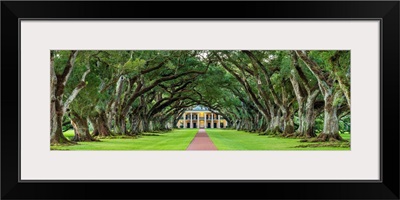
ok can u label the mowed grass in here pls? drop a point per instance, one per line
(179, 139)
(240, 140)
(69, 134)
(173, 140)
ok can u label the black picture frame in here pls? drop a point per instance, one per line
(386, 11)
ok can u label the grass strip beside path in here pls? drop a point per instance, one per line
(178, 139)
(240, 140)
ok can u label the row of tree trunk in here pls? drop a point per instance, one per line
(276, 110)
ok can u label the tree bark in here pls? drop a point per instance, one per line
(114, 115)
(57, 108)
(331, 122)
(56, 134)
(100, 125)
(283, 101)
(135, 121)
(307, 117)
(81, 128)
(344, 83)
(145, 122)
(238, 124)
(120, 124)
(306, 96)
(57, 86)
(274, 126)
(288, 126)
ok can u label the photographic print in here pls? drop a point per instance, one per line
(200, 100)
(251, 94)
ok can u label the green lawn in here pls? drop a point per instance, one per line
(179, 139)
(240, 140)
(174, 140)
(69, 134)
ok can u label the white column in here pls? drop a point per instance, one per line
(205, 120)
(212, 120)
(191, 120)
(198, 120)
(219, 121)
(184, 120)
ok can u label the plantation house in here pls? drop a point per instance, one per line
(201, 117)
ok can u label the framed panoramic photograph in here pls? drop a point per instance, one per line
(298, 98)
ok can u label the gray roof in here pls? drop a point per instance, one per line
(198, 107)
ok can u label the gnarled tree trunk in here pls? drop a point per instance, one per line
(56, 115)
(57, 107)
(274, 125)
(331, 122)
(288, 125)
(307, 117)
(100, 125)
(57, 84)
(81, 128)
(326, 86)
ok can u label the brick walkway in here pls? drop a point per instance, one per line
(201, 142)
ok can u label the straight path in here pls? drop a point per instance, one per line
(201, 141)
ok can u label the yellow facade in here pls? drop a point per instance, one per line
(201, 118)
